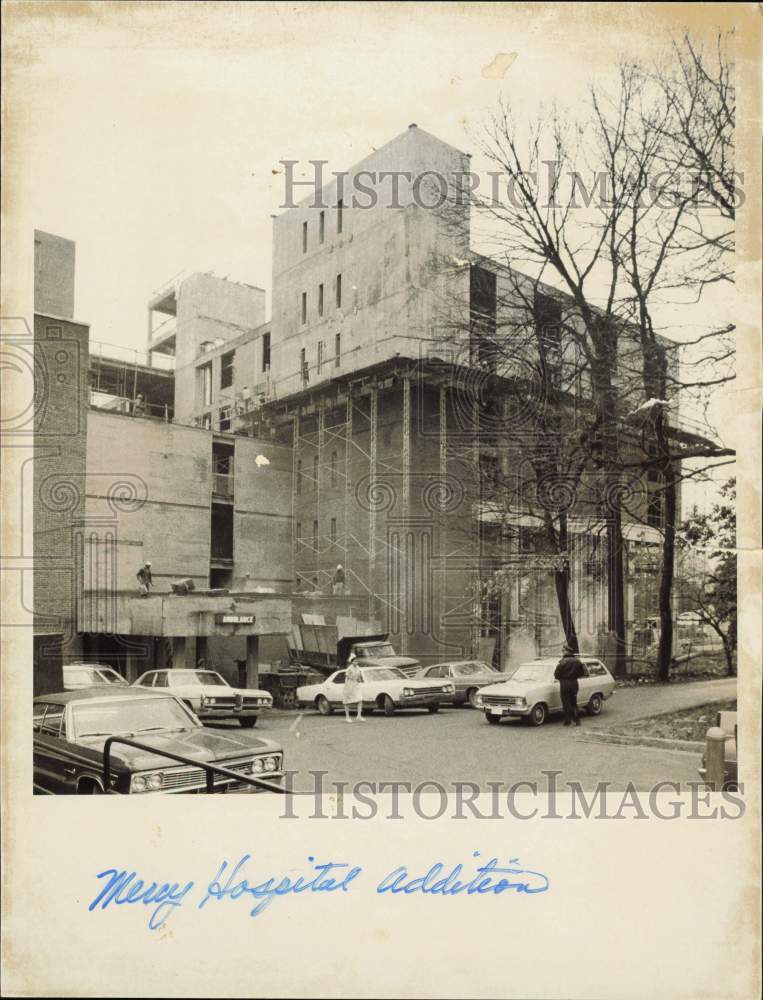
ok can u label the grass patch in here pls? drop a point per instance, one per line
(686, 724)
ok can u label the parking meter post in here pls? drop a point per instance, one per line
(715, 758)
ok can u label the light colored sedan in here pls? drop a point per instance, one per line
(208, 694)
(532, 692)
(385, 688)
(85, 675)
(468, 676)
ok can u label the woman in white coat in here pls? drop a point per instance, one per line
(351, 692)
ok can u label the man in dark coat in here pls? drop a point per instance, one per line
(567, 672)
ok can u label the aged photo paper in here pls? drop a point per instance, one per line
(381, 493)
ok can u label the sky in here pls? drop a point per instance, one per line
(155, 130)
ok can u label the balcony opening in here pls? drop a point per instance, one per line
(222, 532)
(222, 470)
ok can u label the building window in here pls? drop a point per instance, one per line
(266, 352)
(339, 291)
(206, 421)
(299, 476)
(319, 365)
(320, 300)
(322, 227)
(315, 536)
(226, 370)
(315, 473)
(333, 468)
(333, 532)
(304, 307)
(224, 418)
(205, 384)
(337, 350)
(303, 366)
(299, 534)
(339, 213)
(304, 237)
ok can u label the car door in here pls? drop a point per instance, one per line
(52, 769)
(586, 684)
(334, 687)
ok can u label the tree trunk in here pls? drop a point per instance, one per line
(562, 584)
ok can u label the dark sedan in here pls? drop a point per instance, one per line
(71, 728)
(468, 677)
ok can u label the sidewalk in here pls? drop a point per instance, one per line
(632, 703)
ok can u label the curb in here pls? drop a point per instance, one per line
(600, 736)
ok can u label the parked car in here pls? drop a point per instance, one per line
(727, 721)
(83, 675)
(532, 693)
(385, 688)
(71, 728)
(208, 694)
(468, 676)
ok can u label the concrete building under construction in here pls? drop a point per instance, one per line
(360, 426)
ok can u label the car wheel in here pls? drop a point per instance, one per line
(387, 705)
(433, 708)
(248, 722)
(322, 704)
(471, 697)
(492, 719)
(538, 714)
(594, 705)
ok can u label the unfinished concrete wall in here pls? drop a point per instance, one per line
(397, 297)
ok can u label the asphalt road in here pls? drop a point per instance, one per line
(458, 744)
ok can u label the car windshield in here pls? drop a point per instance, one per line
(195, 677)
(383, 674)
(128, 715)
(86, 676)
(109, 676)
(468, 669)
(376, 649)
(533, 672)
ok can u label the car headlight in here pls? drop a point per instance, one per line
(147, 782)
(155, 781)
(203, 701)
(408, 692)
(271, 763)
(258, 764)
(449, 689)
(138, 783)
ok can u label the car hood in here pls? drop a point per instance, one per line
(388, 661)
(512, 687)
(197, 743)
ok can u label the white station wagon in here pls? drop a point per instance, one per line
(208, 694)
(385, 688)
(532, 692)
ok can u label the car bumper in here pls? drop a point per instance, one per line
(502, 711)
(226, 712)
(423, 698)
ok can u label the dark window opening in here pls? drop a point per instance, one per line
(333, 468)
(222, 470)
(220, 579)
(315, 473)
(333, 532)
(266, 352)
(226, 370)
(299, 534)
(322, 227)
(222, 531)
(315, 536)
(303, 366)
(337, 350)
(319, 363)
(304, 237)
(320, 300)
(304, 307)
(339, 291)
(299, 476)
(548, 319)
(339, 213)
(224, 418)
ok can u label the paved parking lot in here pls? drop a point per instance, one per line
(457, 744)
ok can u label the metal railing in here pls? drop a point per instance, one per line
(210, 770)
